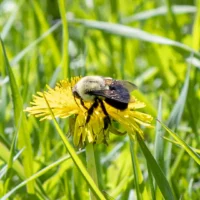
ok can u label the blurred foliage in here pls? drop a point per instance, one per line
(35, 45)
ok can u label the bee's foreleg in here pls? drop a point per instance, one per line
(82, 103)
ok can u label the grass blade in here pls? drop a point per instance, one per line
(129, 32)
(153, 191)
(44, 25)
(159, 146)
(146, 15)
(5, 155)
(10, 21)
(65, 33)
(177, 111)
(196, 34)
(24, 135)
(159, 143)
(156, 171)
(187, 148)
(141, 189)
(176, 115)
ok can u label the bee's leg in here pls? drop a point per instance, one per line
(82, 103)
(91, 110)
(106, 119)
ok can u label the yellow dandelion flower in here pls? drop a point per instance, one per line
(64, 103)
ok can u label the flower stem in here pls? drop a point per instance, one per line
(91, 166)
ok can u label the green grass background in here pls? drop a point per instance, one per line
(154, 44)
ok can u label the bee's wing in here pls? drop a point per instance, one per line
(128, 85)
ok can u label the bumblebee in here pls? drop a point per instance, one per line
(98, 89)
